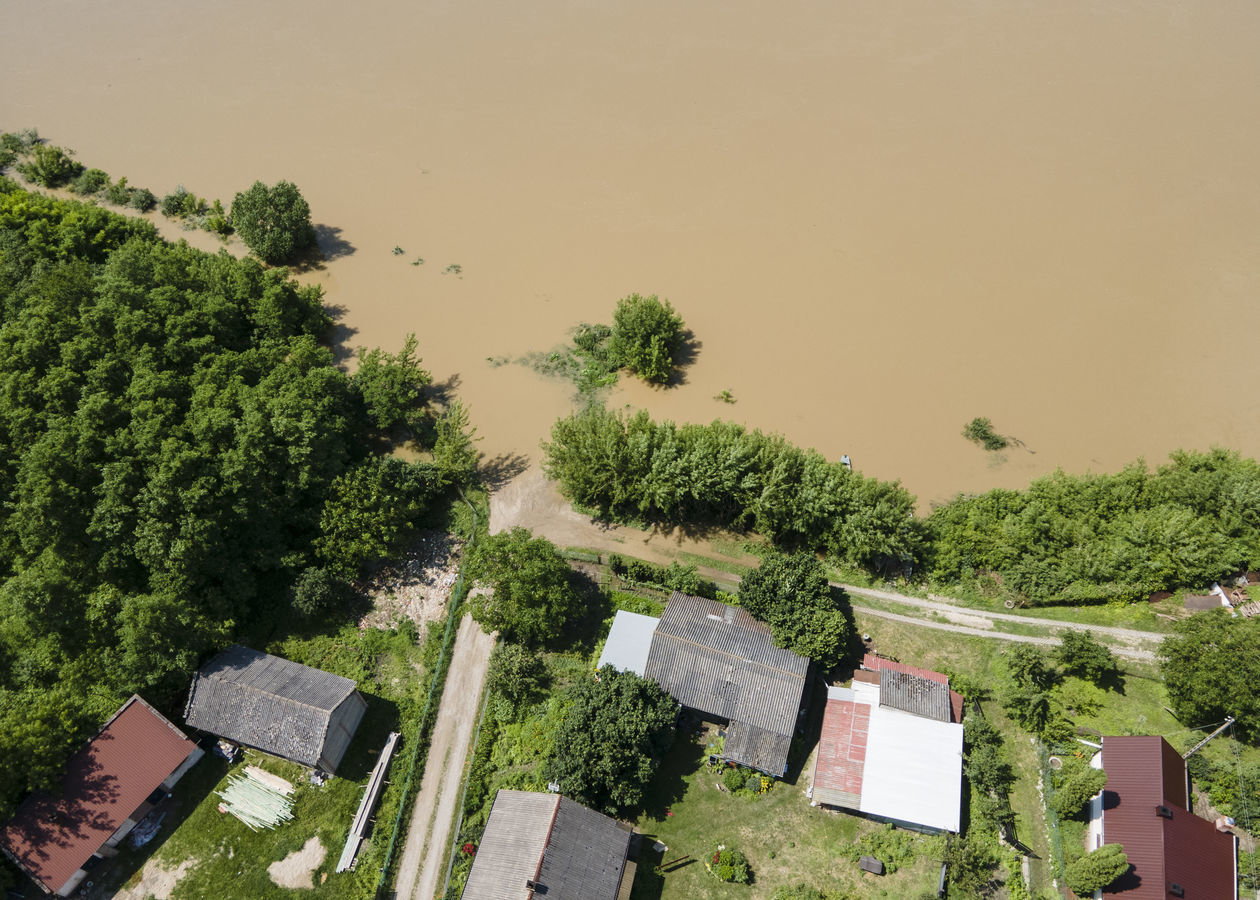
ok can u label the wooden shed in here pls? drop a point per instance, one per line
(276, 705)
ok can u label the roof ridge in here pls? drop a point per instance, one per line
(546, 841)
(727, 653)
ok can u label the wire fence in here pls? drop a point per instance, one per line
(420, 738)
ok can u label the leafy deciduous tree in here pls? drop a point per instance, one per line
(274, 222)
(646, 336)
(1081, 655)
(790, 593)
(531, 598)
(390, 385)
(1211, 664)
(611, 740)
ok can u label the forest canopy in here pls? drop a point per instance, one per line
(176, 449)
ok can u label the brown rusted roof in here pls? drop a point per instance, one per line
(841, 755)
(106, 781)
(1144, 773)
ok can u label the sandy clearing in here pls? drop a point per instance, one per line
(429, 832)
(297, 870)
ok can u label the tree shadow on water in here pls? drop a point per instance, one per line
(683, 358)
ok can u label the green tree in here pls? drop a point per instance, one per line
(455, 444)
(531, 598)
(790, 593)
(274, 222)
(1097, 869)
(646, 336)
(1081, 655)
(609, 744)
(318, 591)
(1077, 790)
(1211, 664)
(369, 508)
(390, 385)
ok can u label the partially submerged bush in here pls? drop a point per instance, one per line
(980, 431)
(90, 182)
(49, 166)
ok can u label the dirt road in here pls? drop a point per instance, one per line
(530, 500)
(429, 834)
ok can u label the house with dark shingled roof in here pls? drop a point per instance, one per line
(537, 845)
(276, 705)
(110, 785)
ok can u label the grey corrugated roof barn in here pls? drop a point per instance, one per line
(719, 660)
(536, 844)
(276, 705)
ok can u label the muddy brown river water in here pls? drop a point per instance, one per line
(879, 218)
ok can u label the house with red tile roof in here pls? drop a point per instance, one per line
(1145, 808)
(891, 747)
(111, 783)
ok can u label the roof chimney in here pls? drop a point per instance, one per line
(1164, 811)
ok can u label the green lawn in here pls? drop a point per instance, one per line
(785, 839)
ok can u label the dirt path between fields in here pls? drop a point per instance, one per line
(429, 834)
(530, 500)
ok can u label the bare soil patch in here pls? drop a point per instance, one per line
(156, 881)
(298, 868)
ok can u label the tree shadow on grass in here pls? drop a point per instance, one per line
(684, 758)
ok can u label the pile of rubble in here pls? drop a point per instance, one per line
(416, 586)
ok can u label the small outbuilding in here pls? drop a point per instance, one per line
(276, 705)
(537, 845)
(110, 785)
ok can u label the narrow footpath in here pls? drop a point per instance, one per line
(420, 871)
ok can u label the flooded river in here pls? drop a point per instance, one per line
(880, 219)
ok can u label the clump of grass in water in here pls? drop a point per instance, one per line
(980, 431)
(725, 397)
(587, 362)
(418, 261)
(453, 269)
(398, 251)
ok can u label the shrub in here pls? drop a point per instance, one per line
(980, 431)
(891, 847)
(141, 199)
(733, 779)
(1097, 869)
(49, 166)
(317, 591)
(728, 865)
(89, 182)
(178, 203)
(1076, 791)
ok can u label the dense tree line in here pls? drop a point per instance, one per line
(180, 459)
(1082, 538)
(722, 474)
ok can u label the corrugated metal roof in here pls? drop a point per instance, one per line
(1144, 772)
(568, 851)
(914, 694)
(105, 782)
(267, 702)
(719, 660)
(757, 748)
(629, 642)
(913, 770)
(841, 755)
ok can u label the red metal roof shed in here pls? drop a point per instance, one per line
(1144, 773)
(106, 781)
